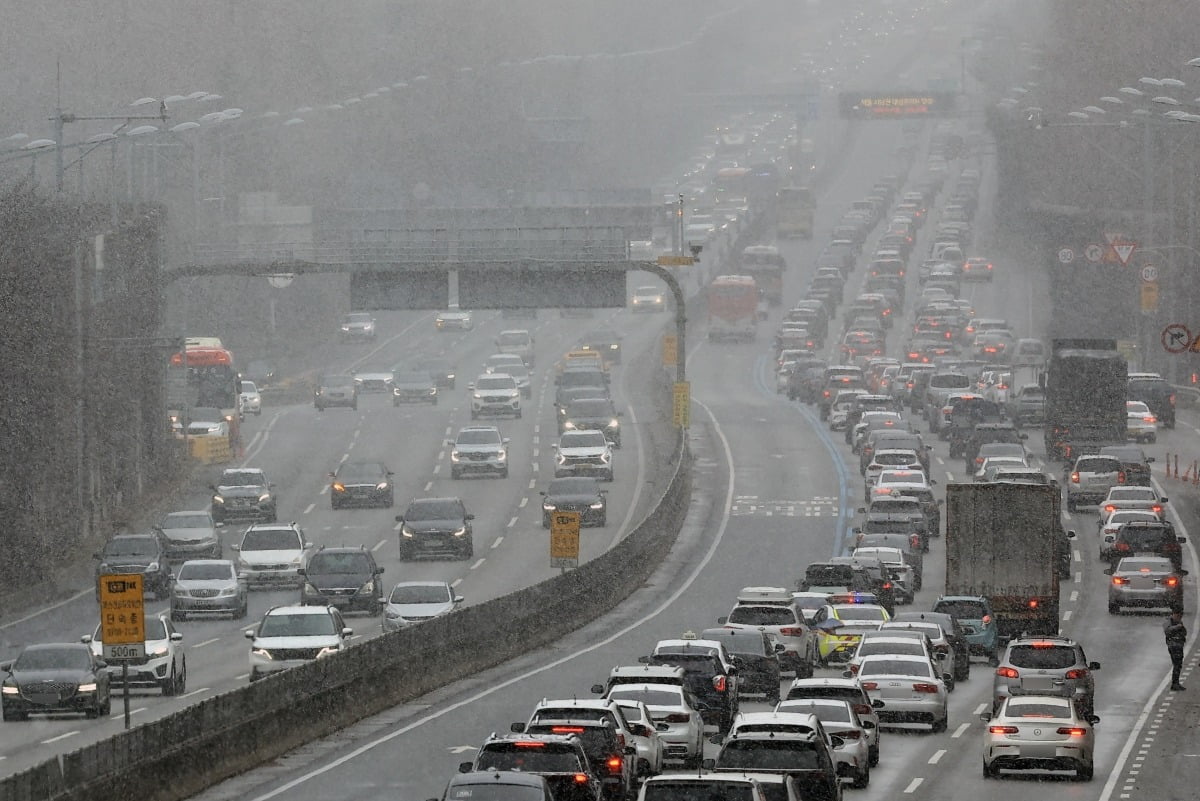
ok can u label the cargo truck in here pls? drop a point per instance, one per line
(1005, 542)
(1085, 397)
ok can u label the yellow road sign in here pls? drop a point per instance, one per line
(683, 404)
(670, 350)
(1149, 296)
(675, 261)
(122, 615)
(564, 539)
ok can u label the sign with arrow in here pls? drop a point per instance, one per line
(1176, 338)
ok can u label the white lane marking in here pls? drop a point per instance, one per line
(441, 455)
(428, 486)
(132, 712)
(456, 582)
(1074, 596)
(252, 453)
(379, 545)
(979, 710)
(437, 468)
(496, 544)
(206, 642)
(1078, 556)
(937, 755)
(523, 502)
(194, 692)
(532, 483)
(962, 727)
(537, 440)
(66, 735)
(242, 676)
(939, 460)
(309, 508)
(324, 489)
(345, 458)
(46, 609)
(535, 467)
(537, 427)
(512, 522)
(477, 564)
(949, 477)
(398, 526)
(535, 453)
(1078, 578)
(913, 785)
(1067, 615)
(680, 589)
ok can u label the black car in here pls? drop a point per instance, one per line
(1146, 537)
(985, 433)
(1155, 392)
(570, 381)
(760, 671)
(55, 677)
(144, 554)
(432, 526)
(361, 484)
(606, 342)
(439, 369)
(560, 758)
(335, 390)
(347, 578)
(712, 682)
(576, 494)
(414, 387)
(597, 414)
(243, 494)
(1134, 463)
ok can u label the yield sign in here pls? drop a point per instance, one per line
(1124, 249)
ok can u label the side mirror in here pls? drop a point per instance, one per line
(1108, 571)
(868, 724)
(379, 570)
(933, 481)
(1093, 665)
(994, 662)
(249, 634)
(598, 689)
(1181, 540)
(347, 632)
(218, 525)
(645, 660)
(722, 621)
(877, 704)
(1149, 459)
(716, 739)
(1071, 534)
(779, 648)
(458, 599)
(101, 664)
(301, 572)
(176, 637)
(85, 639)
(468, 517)
(948, 678)
(517, 728)
(465, 767)
(837, 742)
(1164, 499)
(846, 674)
(985, 716)
(662, 727)
(1183, 572)
(1093, 719)
(631, 750)
(399, 518)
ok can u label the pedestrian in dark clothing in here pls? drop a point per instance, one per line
(1176, 636)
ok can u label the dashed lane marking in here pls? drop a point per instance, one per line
(206, 642)
(309, 508)
(962, 727)
(523, 503)
(496, 544)
(937, 756)
(428, 486)
(512, 522)
(379, 545)
(477, 564)
(70, 734)
(913, 785)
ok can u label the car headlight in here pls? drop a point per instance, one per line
(547, 506)
(346, 328)
(460, 532)
(605, 457)
(266, 496)
(613, 423)
(454, 457)
(228, 592)
(367, 588)
(405, 531)
(561, 459)
(218, 499)
(613, 347)
(154, 652)
(476, 396)
(262, 653)
(327, 651)
(597, 505)
(9, 689)
(90, 687)
(150, 568)
(382, 485)
(501, 455)
(568, 426)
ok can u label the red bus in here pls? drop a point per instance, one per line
(204, 376)
(733, 310)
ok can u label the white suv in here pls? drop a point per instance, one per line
(271, 554)
(584, 453)
(478, 449)
(495, 394)
(289, 636)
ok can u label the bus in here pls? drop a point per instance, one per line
(796, 209)
(766, 266)
(733, 311)
(204, 376)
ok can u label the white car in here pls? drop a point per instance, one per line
(289, 636)
(670, 707)
(250, 399)
(583, 453)
(1111, 522)
(647, 299)
(454, 317)
(417, 601)
(908, 688)
(1036, 731)
(773, 611)
(891, 459)
(846, 689)
(645, 737)
(990, 464)
(495, 394)
(271, 554)
(165, 665)
(840, 720)
(1140, 423)
(1126, 496)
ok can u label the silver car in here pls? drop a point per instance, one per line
(417, 601)
(1039, 733)
(187, 535)
(204, 587)
(1046, 665)
(1090, 480)
(909, 688)
(250, 399)
(1145, 581)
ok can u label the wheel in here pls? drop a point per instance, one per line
(1084, 773)
(964, 674)
(254, 676)
(873, 755)
(181, 684)
(377, 608)
(405, 555)
(241, 611)
(1114, 609)
(468, 552)
(106, 707)
(334, 505)
(545, 521)
(92, 714)
(518, 414)
(170, 683)
(474, 415)
(1152, 439)
(603, 521)
(609, 477)
(950, 685)
(861, 779)
(1071, 507)
(939, 726)
(990, 772)
(7, 716)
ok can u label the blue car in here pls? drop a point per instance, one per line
(978, 622)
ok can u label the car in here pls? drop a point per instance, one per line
(430, 526)
(679, 724)
(249, 399)
(977, 268)
(205, 587)
(50, 678)
(604, 341)
(373, 380)
(164, 667)
(414, 387)
(260, 372)
(454, 318)
(343, 577)
(1140, 423)
(602, 728)
(290, 636)
(845, 689)
(517, 341)
(759, 672)
(357, 326)
(1090, 480)
(1045, 665)
(977, 621)
(361, 484)
(840, 721)
(190, 534)
(580, 494)
(271, 555)
(495, 394)
(900, 570)
(1039, 732)
(497, 785)
(647, 299)
(583, 453)
(838, 626)
(560, 758)
(891, 459)
(1152, 539)
(710, 675)
(143, 554)
(650, 747)
(1126, 497)
(994, 464)
(909, 687)
(1135, 464)
(243, 493)
(700, 786)
(336, 390)
(1145, 581)
(412, 602)
(1027, 405)
(805, 752)
(441, 370)
(950, 629)
(1155, 392)
(478, 449)
(1110, 522)
(1029, 353)
(592, 414)
(207, 422)
(571, 384)
(772, 611)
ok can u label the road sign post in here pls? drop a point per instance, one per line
(564, 539)
(682, 407)
(123, 623)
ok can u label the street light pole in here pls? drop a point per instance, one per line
(61, 118)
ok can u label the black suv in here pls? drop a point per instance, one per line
(436, 525)
(1153, 390)
(709, 673)
(1134, 462)
(560, 758)
(1146, 537)
(597, 414)
(243, 494)
(335, 390)
(347, 578)
(361, 484)
(985, 434)
(580, 494)
(137, 553)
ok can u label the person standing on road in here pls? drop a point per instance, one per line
(1176, 636)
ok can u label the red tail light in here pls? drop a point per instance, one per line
(1002, 729)
(1121, 546)
(528, 744)
(614, 763)
(1171, 399)
(1033, 603)
(1156, 509)
(853, 734)
(791, 631)
(581, 778)
(1075, 478)
(676, 718)
(914, 541)
(719, 683)
(566, 729)
(870, 685)
(863, 709)
(1118, 580)
(1109, 508)
(986, 619)
(1076, 673)
(1171, 581)
(1007, 673)
(1074, 731)
(925, 688)
(1121, 477)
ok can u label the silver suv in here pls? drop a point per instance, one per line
(1046, 665)
(478, 449)
(1090, 480)
(495, 393)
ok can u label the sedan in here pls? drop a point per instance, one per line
(249, 399)
(417, 601)
(1140, 423)
(164, 667)
(1127, 497)
(454, 318)
(580, 494)
(208, 587)
(414, 387)
(647, 299)
(361, 484)
(908, 687)
(1146, 581)
(188, 534)
(55, 677)
(977, 268)
(680, 727)
(1034, 732)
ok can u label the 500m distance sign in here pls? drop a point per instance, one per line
(122, 616)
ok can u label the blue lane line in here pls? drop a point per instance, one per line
(764, 383)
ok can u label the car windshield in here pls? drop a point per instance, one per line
(894, 458)
(826, 713)
(271, 539)
(358, 318)
(963, 610)
(763, 616)
(202, 571)
(482, 436)
(337, 381)
(1041, 708)
(131, 546)
(895, 667)
(342, 563)
(871, 613)
(582, 439)
(1042, 657)
(296, 625)
(510, 338)
(590, 408)
(1144, 565)
(701, 790)
(782, 754)
(50, 658)
(242, 478)
(1139, 539)
(828, 575)
(573, 486)
(949, 381)
(648, 696)
(420, 594)
(418, 379)
(741, 643)
(248, 386)
(434, 510)
(372, 472)
(876, 646)
(532, 757)
(496, 382)
(690, 663)
(1098, 465)
(187, 520)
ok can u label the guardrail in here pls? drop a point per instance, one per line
(432, 252)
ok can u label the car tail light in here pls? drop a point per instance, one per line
(887, 585)
(1076, 673)
(922, 687)
(1002, 729)
(979, 461)
(1033, 603)
(1171, 581)
(1118, 580)
(863, 709)
(1171, 547)
(853, 734)
(1075, 477)
(986, 619)
(1007, 673)
(581, 778)
(1121, 546)
(1110, 508)
(566, 729)
(677, 717)
(1157, 509)
(1149, 419)
(1074, 731)
(719, 683)
(870, 685)
(1121, 477)
(613, 763)
(792, 631)
(529, 744)
(1171, 399)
